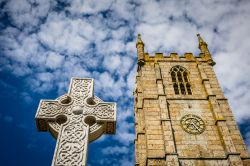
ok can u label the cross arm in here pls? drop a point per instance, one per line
(47, 110)
(104, 113)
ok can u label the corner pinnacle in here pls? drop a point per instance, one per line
(204, 50)
(201, 41)
(139, 40)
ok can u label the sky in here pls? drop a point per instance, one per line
(45, 43)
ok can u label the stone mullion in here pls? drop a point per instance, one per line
(178, 83)
(184, 83)
(168, 135)
(220, 122)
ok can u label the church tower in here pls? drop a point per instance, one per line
(182, 117)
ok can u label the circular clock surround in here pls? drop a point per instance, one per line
(192, 124)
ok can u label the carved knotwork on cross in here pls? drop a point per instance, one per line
(75, 119)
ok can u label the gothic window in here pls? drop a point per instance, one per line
(180, 80)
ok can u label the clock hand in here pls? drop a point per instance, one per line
(195, 126)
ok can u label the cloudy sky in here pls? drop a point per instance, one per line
(43, 43)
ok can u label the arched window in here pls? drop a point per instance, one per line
(180, 80)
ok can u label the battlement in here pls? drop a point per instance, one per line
(174, 57)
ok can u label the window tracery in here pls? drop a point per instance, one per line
(181, 83)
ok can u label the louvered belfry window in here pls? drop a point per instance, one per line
(180, 80)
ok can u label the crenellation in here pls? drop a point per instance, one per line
(189, 56)
(158, 55)
(174, 56)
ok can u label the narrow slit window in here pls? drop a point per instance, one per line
(180, 80)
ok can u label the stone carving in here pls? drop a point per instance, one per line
(75, 119)
(49, 108)
(192, 124)
(72, 144)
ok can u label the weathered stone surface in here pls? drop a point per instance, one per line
(75, 119)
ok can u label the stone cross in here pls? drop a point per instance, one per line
(75, 119)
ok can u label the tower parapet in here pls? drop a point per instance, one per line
(144, 57)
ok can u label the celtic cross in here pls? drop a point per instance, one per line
(75, 119)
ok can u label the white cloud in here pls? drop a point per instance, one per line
(118, 64)
(115, 150)
(45, 77)
(155, 17)
(124, 132)
(124, 10)
(124, 115)
(63, 34)
(112, 62)
(27, 13)
(131, 81)
(125, 137)
(54, 60)
(89, 6)
(107, 86)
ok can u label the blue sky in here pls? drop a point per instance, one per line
(45, 43)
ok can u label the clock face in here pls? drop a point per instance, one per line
(192, 124)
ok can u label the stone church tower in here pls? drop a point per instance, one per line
(182, 117)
